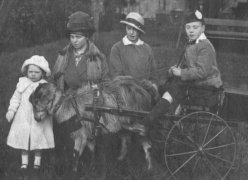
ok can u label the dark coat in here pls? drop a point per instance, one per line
(96, 70)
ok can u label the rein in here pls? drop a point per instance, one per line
(58, 104)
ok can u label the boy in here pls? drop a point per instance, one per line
(197, 74)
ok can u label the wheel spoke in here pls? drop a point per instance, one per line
(188, 138)
(179, 154)
(206, 134)
(191, 141)
(196, 162)
(177, 140)
(217, 157)
(178, 169)
(217, 147)
(214, 137)
(212, 167)
(196, 130)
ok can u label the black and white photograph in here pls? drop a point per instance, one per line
(123, 89)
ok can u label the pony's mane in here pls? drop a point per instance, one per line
(82, 96)
(44, 90)
(41, 85)
(128, 92)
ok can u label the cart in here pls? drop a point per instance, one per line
(198, 145)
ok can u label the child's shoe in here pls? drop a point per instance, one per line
(36, 170)
(22, 171)
(24, 166)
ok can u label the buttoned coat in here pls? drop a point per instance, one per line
(25, 131)
(99, 68)
(200, 66)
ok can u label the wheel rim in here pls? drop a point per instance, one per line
(200, 144)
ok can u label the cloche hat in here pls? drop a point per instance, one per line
(195, 16)
(80, 22)
(39, 61)
(135, 20)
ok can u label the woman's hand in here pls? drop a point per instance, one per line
(176, 71)
(10, 115)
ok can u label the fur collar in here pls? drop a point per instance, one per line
(93, 50)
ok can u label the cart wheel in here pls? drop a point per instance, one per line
(200, 145)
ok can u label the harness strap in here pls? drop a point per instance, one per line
(78, 117)
(58, 104)
(96, 122)
(96, 96)
(74, 105)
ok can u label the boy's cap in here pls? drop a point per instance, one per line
(195, 16)
(39, 61)
(135, 20)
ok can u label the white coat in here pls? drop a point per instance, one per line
(26, 133)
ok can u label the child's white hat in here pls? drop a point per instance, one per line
(39, 61)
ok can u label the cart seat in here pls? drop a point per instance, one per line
(211, 101)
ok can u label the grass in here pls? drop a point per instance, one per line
(233, 67)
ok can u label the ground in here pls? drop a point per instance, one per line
(232, 60)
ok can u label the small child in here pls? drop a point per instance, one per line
(26, 133)
(199, 66)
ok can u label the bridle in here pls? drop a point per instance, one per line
(51, 103)
(96, 96)
(56, 106)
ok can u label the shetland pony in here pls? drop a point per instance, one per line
(122, 92)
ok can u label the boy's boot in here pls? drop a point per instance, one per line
(144, 125)
(173, 94)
